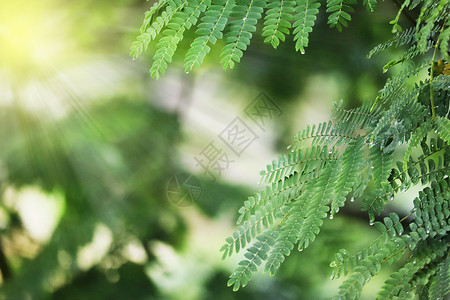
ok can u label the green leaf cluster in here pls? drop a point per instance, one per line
(234, 22)
(354, 156)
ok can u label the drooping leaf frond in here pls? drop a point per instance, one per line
(399, 285)
(306, 11)
(325, 134)
(148, 16)
(181, 21)
(151, 26)
(278, 21)
(303, 220)
(278, 193)
(254, 257)
(339, 10)
(393, 243)
(371, 5)
(367, 263)
(415, 140)
(304, 161)
(351, 163)
(424, 170)
(363, 117)
(401, 38)
(440, 283)
(429, 17)
(209, 31)
(247, 14)
(235, 22)
(263, 209)
(412, 52)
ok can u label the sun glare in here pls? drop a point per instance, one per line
(44, 67)
(32, 34)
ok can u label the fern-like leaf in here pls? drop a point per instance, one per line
(254, 257)
(399, 284)
(362, 117)
(167, 46)
(149, 14)
(414, 142)
(325, 134)
(382, 164)
(429, 16)
(412, 52)
(407, 36)
(395, 86)
(149, 32)
(440, 284)
(304, 218)
(442, 126)
(277, 21)
(209, 31)
(303, 161)
(279, 192)
(339, 10)
(371, 5)
(247, 14)
(398, 122)
(351, 161)
(368, 265)
(445, 39)
(304, 19)
(390, 241)
(352, 287)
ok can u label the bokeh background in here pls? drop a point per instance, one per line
(103, 193)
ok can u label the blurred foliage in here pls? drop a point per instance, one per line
(105, 169)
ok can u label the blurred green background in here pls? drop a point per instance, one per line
(102, 193)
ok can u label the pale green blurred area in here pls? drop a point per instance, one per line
(89, 145)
